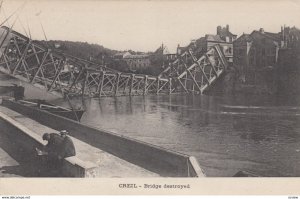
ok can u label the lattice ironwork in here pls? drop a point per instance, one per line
(55, 71)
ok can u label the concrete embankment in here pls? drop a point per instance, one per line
(14, 161)
(152, 158)
(88, 162)
(24, 138)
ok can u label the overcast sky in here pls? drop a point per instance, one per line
(144, 25)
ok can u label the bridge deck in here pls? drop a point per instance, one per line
(56, 72)
(109, 165)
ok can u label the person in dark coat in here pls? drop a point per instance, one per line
(48, 157)
(67, 148)
(52, 147)
(59, 146)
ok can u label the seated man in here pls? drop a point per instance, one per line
(57, 148)
(50, 153)
(68, 148)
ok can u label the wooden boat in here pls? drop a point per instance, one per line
(57, 110)
(15, 91)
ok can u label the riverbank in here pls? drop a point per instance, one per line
(270, 81)
(224, 142)
(102, 160)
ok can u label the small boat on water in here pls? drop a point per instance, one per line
(14, 91)
(17, 92)
(75, 114)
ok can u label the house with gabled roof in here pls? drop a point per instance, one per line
(224, 38)
(263, 51)
(257, 50)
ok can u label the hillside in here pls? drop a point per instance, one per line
(83, 50)
(102, 55)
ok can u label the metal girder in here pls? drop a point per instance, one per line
(199, 65)
(198, 71)
(56, 71)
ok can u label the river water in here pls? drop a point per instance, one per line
(260, 134)
(226, 134)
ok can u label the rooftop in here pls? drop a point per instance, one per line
(136, 56)
(215, 38)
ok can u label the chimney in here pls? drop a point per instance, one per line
(178, 50)
(261, 30)
(227, 27)
(219, 28)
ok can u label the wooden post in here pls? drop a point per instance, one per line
(185, 80)
(183, 86)
(131, 84)
(126, 84)
(84, 83)
(100, 85)
(170, 85)
(145, 84)
(157, 91)
(117, 83)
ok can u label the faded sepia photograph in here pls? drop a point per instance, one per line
(149, 89)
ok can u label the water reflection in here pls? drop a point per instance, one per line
(260, 134)
(226, 134)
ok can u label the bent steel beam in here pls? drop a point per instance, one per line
(57, 72)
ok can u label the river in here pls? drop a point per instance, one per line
(226, 134)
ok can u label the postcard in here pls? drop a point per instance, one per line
(149, 97)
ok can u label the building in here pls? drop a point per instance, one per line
(121, 55)
(167, 55)
(258, 49)
(261, 51)
(289, 53)
(290, 37)
(164, 51)
(136, 62)
(225, 34)
(224, 38)
(255, 54)
(241, 50)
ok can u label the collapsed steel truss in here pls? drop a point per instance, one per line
(55, 71)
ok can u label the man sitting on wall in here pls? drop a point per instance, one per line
(68, 148)
(59, 146)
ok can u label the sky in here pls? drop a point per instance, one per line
(145, 25)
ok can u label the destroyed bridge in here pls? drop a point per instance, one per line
(56, 72)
